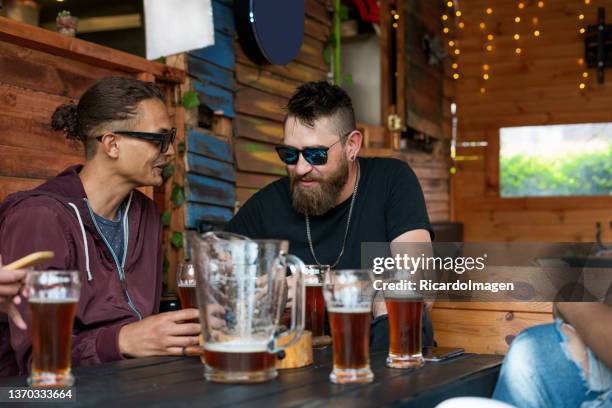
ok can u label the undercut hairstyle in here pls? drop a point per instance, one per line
(315, 100)
(111, 102)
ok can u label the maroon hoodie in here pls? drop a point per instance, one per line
(56, 217)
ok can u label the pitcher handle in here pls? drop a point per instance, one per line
(296, 266)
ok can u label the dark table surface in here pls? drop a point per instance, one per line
(179, 382)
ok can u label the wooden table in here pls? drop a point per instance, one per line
(179, 382)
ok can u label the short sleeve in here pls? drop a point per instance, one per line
(405, 208)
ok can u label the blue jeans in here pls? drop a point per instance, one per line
(539, 372)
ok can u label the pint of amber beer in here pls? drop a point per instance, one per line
(348, 296)
(405, 314)
(53, 297)
(186, 284)
(315, 304)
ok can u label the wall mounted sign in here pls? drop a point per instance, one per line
(270, 31)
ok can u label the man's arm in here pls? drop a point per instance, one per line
(593, 323)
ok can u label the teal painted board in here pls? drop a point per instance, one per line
(216, 98)
(208, 190)
(208, 145)
(197, 212)
(223, 17)
(205, 166)
(210, 73)
(222, 53)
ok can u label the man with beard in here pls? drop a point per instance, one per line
(96, 221)
(332, 201)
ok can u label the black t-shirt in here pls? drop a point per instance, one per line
(389, 203)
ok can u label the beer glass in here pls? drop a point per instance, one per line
(52, 297)
(315, 304)
(240, 286)
(348, 296)
(186, 283)
(405, 313)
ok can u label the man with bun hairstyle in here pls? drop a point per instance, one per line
(97, 222)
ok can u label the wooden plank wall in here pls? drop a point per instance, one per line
(538, 87)
(261, 94)
(206, 169)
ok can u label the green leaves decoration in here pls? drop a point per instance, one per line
(191, 100)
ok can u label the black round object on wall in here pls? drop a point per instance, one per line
(270, 31)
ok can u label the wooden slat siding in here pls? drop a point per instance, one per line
(207, 145)
(207, 190)
(221, 53)
(317, 11)
(316, 29)
(36, 38)
(548, 75)
(32, 134)
(311, 54)
(209, 73)
(257, 103)
(258, 158)
(253, 180)
(482, 331)
(254, 128)
(30, 163)
(205, 166)
(197, 212)
(293, 70)
(33, 69)
(10, 185)
(216, 98)
(265, 81)
(223, 15)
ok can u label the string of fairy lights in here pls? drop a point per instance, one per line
(526, 26)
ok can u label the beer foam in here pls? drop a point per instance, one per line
(238, 346)
(53, 300)
(313, 284)
(348, 309)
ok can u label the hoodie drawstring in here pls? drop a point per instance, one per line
(76, 210)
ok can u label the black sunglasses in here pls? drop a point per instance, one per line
(315, 156)
(164, 139)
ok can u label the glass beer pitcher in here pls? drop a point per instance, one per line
(241, 289)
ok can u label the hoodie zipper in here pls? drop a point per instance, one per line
(121, 265)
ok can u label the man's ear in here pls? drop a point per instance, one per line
(109, 145)
(353, 144)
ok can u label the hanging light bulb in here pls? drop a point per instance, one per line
(489, 47)
(521, 5)
(517, 19)
(535, 20)
(458, 13)
(482, 90)
(489, 10)
(445, 30)
(517, 37)
(444, 17)
(451, 43)
(461, 24)
(490, 37)
(582, 30)
(485, 77)
(457, 51)
(455, 65)
(581, 17)
(582, 86)
(585, 74)
(540, 4)
(536, 33)
(449, 4)
(587, 2)
(518, 50)
(485, 67)
(482, 25)
(455, 76)
(580, 61)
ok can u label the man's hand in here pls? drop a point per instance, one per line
(10, 285)
(163, 334)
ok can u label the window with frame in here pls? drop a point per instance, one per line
(556, 160)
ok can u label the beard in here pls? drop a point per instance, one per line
(321, 198)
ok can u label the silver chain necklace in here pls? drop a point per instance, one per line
(348, 223)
